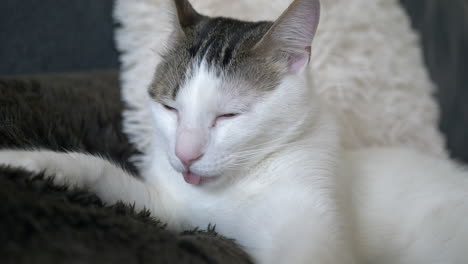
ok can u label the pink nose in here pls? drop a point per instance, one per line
(188, 157)
(189, 146)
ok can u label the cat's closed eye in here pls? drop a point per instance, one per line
(169, 108)
(224, 117)
(230, 115)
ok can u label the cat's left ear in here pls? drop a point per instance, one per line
(183, 18)
(292, 33)
(187, 16)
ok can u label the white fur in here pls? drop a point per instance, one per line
(366, 59)
(412, 206)
(300, 199)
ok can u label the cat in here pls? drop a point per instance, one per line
(242, 141)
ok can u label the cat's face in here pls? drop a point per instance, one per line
(228, 92)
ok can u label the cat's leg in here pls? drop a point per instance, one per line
(107, 180)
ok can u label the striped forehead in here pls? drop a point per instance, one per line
(219, 40)
(222, 46)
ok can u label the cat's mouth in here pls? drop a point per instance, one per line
(195, 179)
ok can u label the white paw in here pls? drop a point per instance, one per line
(71, 169)
(21, 160)
(32, 161)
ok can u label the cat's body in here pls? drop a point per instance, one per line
(408, 207)
(262, 162)
(392, 209)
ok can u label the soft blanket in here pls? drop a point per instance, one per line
(42, 223)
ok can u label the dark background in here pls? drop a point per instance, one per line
(77, 35)
(56, 36)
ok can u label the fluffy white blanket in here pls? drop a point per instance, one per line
(366, 60)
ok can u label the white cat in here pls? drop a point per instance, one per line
(241, 141)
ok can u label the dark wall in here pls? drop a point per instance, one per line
(56, 36)
(443, 27)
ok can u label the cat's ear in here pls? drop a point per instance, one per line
(182, 18)
(186, 16)
(292, 33)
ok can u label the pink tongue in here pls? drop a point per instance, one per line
(191, 178)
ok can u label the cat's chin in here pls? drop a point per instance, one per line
(195, 179)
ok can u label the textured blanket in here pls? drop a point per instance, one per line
(42, 223)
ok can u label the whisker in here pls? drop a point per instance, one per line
(255, 151)
(239, 160)
(271, 141)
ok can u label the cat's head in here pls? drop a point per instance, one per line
(229, 92)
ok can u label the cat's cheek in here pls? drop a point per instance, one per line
(220, 134)
(165, 126)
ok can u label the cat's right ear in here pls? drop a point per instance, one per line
(290, 37)
(185, 16)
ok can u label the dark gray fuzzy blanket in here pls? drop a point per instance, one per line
(42, 223)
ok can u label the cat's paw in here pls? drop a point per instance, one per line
(20, 160)
(31, 161)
